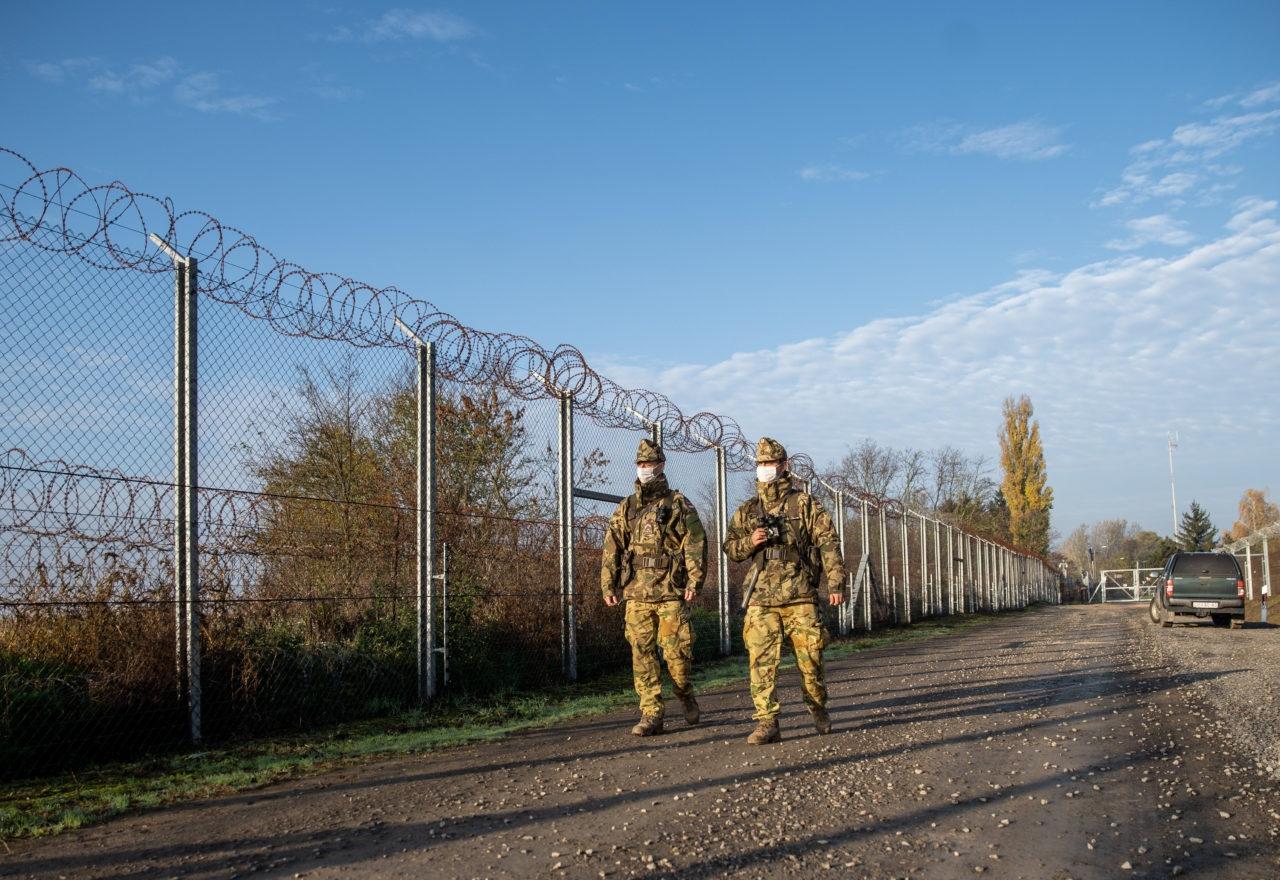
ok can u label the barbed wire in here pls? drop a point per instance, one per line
(109, 225)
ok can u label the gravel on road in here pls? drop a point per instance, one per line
(1055, 743)
(1245, 688)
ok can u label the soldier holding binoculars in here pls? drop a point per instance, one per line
(792, 544)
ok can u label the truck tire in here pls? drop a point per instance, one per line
(1158, 615)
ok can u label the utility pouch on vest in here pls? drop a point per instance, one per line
(803, 551)
(787, 553)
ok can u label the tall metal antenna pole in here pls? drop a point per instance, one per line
(1173, 487)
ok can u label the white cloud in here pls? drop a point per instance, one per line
(1028, 140)
(138, 81)
(335, 92)
(831, 173)
(443, 27)
(203, 92)
(1175, 166)
(1208, 140)
(1022, 140)
(1268, 93)
(1156, 229)
(407, 24)
(144, 82)
(58, 71)
(1113, 354)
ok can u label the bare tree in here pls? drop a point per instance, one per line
(913, 468)
(871, 466)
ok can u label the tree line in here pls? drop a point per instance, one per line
(1118, 543)
(959, 487)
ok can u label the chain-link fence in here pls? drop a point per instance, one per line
(1259, 555)
(241, 497)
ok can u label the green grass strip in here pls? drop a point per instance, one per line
(39, 807)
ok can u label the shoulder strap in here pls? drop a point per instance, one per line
(792, 502)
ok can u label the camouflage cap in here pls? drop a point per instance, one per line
(649, 452)
(769, 449)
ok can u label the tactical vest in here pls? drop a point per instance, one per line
(795, 545)
(646, 530)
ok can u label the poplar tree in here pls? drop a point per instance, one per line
(1025, 486)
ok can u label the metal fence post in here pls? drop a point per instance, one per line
(904, 534)
(975, 573)
(997, 557)
(866, 551)
(722, 558)
(842, 613)
(444, 613)
(1006, 579)
(926, 592)
(194, 679)
(1002, 577)
(989, 570)
(179, 472)
(996, 597)
(426, 499)
(984, 575)
(970, 562)
(937, 568)
(186, 455)
(568, 623)
(1248, 571)
(884, 560)
(1266, 577)
(951, 571)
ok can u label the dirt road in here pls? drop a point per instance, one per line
(1049, 744)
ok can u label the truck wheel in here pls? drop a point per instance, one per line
(1158, 615)
(1221, 619)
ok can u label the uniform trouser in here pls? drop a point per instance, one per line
(654, 624)
(763, 631)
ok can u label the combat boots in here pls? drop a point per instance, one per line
(821, 720)
(766, 732)
(692, 713)
(650, 725)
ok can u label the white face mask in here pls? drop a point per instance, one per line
(646, 474)
(766, 473)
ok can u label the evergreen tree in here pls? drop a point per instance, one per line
(1025, 487)
(1197, 531)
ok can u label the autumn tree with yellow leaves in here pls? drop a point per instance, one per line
(1256, 511)
(1025, 486)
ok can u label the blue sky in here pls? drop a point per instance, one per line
(853, 221)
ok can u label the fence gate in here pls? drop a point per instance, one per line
(1126, 585)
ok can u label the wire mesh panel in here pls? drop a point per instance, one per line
(87, 662)
(307, 575)
(345, 521)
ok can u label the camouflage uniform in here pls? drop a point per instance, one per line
(785, 599)
(655, 549)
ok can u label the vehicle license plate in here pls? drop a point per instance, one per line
(1204, 604)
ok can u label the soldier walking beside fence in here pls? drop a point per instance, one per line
(791, 542)
(655, 551)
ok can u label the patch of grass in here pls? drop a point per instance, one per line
(47, 806)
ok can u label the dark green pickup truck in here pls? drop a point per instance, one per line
(1200, 585)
